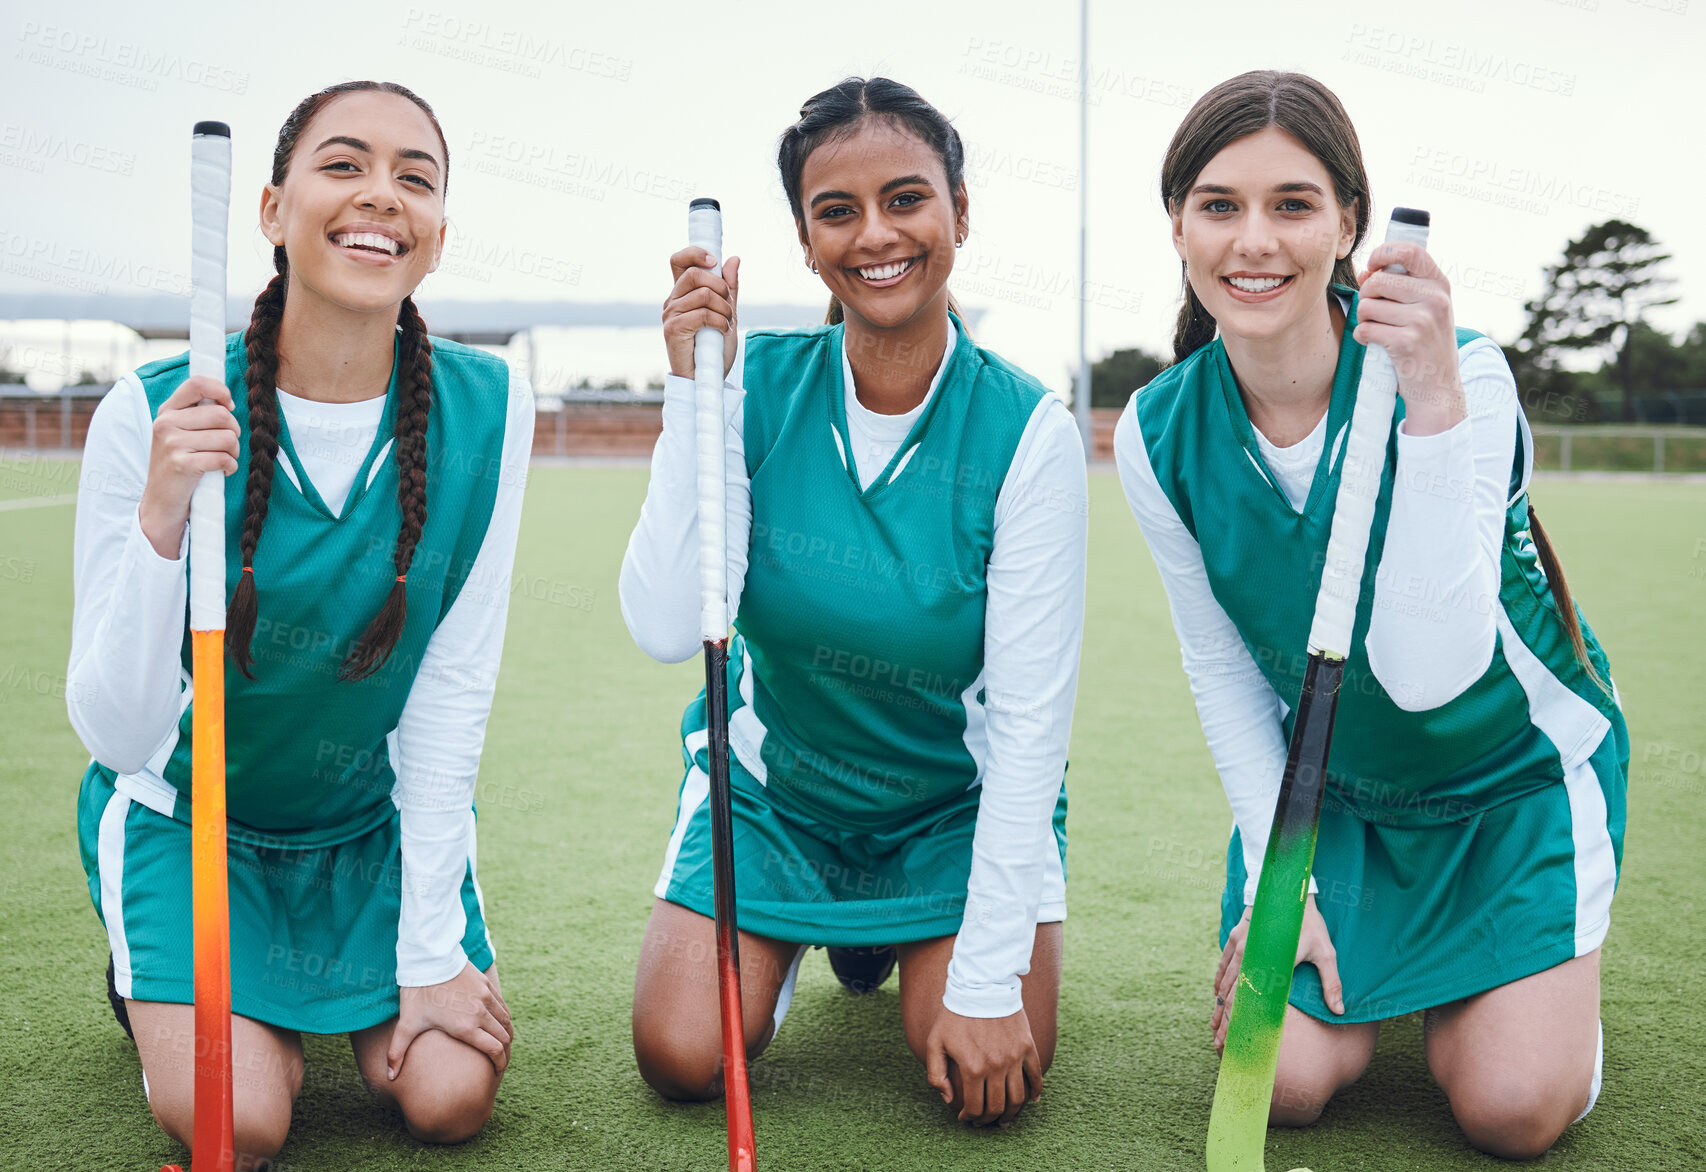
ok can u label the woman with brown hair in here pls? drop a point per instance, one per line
(1472, 829)
(369, 594)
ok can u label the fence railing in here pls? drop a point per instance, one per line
(627, 423)
(32, 419)
(1620, 448)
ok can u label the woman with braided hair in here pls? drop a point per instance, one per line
(369, 590)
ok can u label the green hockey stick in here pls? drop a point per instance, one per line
(1238, 1122)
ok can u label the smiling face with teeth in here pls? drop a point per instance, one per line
(1260, 231)
(360, 214)
(880, 226)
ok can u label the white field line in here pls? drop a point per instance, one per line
(38, 502)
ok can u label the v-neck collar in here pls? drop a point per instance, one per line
(382, 437)
(1346, 374)
(838, 410)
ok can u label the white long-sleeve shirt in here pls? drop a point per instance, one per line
(1033, 628)
(126, 688)
(1434, 621)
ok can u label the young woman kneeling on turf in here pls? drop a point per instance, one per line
(906, 570)
(369, 581)
(1473, 822)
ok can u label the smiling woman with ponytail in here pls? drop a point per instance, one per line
(1472, 829)
(907, 519)
(368, 578)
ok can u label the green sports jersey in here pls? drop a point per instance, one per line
(1461, 847)
(306, 755)
(1264, 561)
(856, 682)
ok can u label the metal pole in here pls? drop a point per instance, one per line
(1081, 390)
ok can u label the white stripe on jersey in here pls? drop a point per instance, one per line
(1576, 728)
(746, 731)
(479, 895)
(976, 736)
(695, 790)
(110, 853)
(148, 785)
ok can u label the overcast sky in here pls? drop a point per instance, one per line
(577, 132)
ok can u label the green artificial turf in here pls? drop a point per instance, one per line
(576, 800)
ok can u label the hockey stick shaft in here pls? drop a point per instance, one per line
(212, 1146)
(1238, 1120)
(705, 230)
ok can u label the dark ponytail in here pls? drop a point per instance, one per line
(1245, 105)
(1562, 600)
(837, 113)
(414, 401)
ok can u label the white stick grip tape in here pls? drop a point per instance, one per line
(705, 230)
(1359, 489)
(210, 198)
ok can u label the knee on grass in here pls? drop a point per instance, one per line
(686, 1064)
(1300, 1098)
(686, 1071)
(257, 1136)
(683, 1078)
(1514, 1118)
(447, 1116)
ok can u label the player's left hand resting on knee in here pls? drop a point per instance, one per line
(996, 1062)
(1314, 946)
(468, 1007)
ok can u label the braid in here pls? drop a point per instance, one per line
(261, 344)
(414, 399)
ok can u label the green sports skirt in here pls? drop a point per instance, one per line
(313, 930)
(1453, 900)
(799, 879)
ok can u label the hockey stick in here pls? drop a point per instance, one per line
(1238, 1122)
(705, 230)
(212, 1149)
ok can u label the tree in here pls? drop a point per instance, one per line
(1594, 299)
(1671, 374)
(1114, 378)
